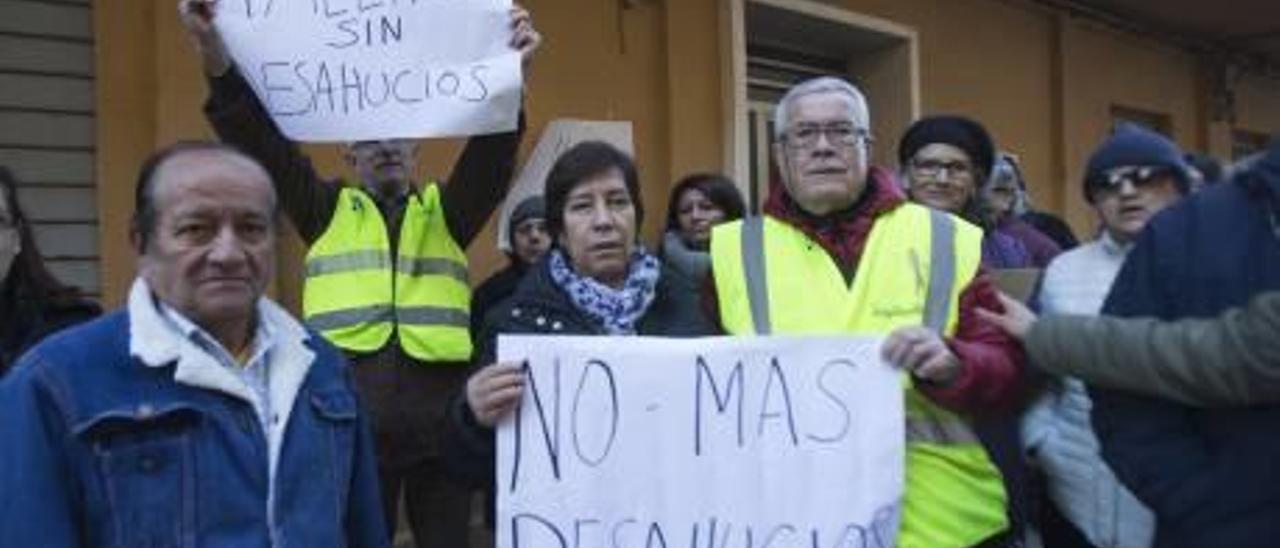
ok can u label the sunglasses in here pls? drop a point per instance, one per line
(1139, 176)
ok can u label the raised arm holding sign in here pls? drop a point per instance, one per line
(386, 272)
(342, 70)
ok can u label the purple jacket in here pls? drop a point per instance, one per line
(1039, 247)
(1000, 251)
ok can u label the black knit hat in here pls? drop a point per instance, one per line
(1136, 146)
(957, 131)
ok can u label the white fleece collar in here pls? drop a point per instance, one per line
(156, 343)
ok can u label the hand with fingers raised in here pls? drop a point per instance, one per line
(197, 16)
(524, 38)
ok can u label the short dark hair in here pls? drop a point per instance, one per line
(145, 215)
(719, 189)
(581, 162)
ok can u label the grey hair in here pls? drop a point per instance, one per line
(821, 84)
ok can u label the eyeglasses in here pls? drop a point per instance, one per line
(805, 136)
(1113, 180)
(933, 169)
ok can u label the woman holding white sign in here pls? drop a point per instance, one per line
(597, 280)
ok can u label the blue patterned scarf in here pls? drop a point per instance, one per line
(617, 310)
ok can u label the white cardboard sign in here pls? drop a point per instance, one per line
(651, 442)
(351, 70)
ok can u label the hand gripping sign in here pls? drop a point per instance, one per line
(351, 70)
(650, 442)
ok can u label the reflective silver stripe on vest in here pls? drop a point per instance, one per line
(942, 274)
(425, 266)
(432, 315)
(346, 262)
(942, 270)
(338, 319)
(941, 432)
(753, 267)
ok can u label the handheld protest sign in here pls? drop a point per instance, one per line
(1019, 283)
(354, 70)
(640, 441)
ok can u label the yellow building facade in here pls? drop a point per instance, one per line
(685, 73)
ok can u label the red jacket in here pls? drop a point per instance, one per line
(991, 378)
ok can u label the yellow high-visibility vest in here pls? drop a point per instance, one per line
(357, 294)
(772, 279)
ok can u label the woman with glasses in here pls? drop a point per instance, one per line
(945, 162)
(33, 304)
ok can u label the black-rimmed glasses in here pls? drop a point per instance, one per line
(933, 169)
(808, 135)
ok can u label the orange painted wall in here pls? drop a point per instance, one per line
(988, 60)
(1042, 83)
(125, 130)
(1258, 105)
(601, 60)
(1103, 69)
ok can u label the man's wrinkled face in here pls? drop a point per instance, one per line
(387, 166)
(823, 154)
(213, 250)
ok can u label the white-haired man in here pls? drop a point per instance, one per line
(839, 250)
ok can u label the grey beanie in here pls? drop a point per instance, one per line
(533, 207)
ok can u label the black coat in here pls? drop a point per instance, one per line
(1209, 474)
(539, 306)
(491, 293)
(31, 321)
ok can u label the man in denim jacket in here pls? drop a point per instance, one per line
(201, 414)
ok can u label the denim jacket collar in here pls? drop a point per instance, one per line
(155, 343)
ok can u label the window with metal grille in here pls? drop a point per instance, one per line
(47, 129)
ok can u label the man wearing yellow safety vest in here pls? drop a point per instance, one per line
(839, 250)
(386, 272)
